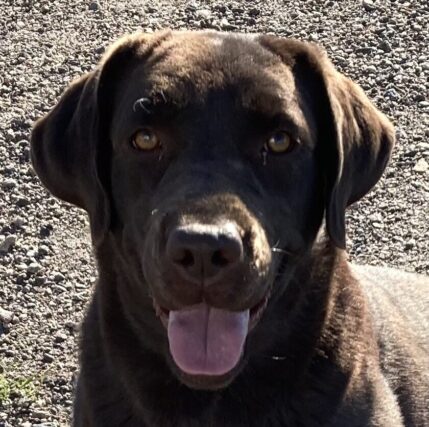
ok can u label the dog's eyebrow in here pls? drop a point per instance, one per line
(280, 120)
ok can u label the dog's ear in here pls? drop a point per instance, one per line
(63, 152)
(355, 140)
(70, 147)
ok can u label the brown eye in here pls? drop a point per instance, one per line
(145, 139)
(280, 142)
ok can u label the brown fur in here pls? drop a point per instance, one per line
(336, 345)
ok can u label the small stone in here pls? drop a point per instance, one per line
(39, 281)
(58, 277)
(40, 414)
(371, 69)
(409, 244)
(60, 337)
(99, 50)
(7, 243)
(226, 25)
(204, 14)
(254, 11)
(94, 6)
(10, 135)
(46, 230)
(423, 146)
(31, 253)
(19, 221)
(421, 166)
(43, 250)
(74, 326)
(424, 104)
(392, 94)
(6, 316)
(368, 5)
(22, 202)
(34, 267)
(9, 184)
(385, 46)
(48, 358)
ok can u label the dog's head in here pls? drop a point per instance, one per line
(209, 161)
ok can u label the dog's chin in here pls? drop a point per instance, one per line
(213, 381)
(206, 382)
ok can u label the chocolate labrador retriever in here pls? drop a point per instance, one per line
(210, 165)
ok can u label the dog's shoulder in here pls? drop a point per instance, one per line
(407, 294)
(399, 307)
(399, 299)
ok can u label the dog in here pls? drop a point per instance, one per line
(216, 169)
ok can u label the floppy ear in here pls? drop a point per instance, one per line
(355, 140)
(64, 152)
(70, 146)
(365, 139)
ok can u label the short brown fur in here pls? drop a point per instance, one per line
(337, 344)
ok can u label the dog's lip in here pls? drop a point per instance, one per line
(256, 310)
(207, 382)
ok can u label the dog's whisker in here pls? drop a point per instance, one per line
(280, 250)
(161, 92)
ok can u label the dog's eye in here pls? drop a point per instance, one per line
(279, 142)
(145, 139)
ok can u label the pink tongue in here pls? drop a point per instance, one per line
(206, 340)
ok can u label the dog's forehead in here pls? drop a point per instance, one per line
(188, 65)
(223, 55)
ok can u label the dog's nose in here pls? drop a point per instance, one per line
(203, 251)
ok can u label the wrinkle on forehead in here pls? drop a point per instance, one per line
(188, 66)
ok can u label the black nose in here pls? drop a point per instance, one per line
(203, 251)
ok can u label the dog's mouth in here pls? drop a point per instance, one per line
(207, 342)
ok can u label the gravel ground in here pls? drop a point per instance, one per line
(46, 266)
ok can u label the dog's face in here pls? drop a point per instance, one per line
(207, 161)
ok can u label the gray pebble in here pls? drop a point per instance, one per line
(34, 267)
(48, 358)
(39, 414)
(94, 6)
(19, 221)
(43, 250)
(60, 337)
(22, 202)
(368, 5)
(421, 166)
(385, 46)
(204, 14)
(58, 277)
(7, 243)
(409, 244)
(6, 316)
(9, 184)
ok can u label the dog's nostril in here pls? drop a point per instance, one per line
(185, 259)
(219, 259)
(203, 251)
